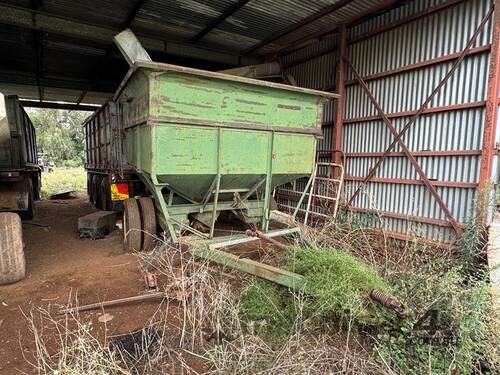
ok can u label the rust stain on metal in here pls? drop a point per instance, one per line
(173, 109)
(290, 107)
(251, 102)
(390, 302)
(251, 113)
(167, 99)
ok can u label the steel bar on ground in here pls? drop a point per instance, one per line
(120, 301)
(438, 88)
(407, 152)
(221, 242)
(259, 234)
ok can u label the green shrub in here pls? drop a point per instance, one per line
(336, 286)
(445, 331)
(267, 308)
(337, 283)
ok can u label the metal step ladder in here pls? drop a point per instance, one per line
(325, 191)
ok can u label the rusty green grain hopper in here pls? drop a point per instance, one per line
(207, 142)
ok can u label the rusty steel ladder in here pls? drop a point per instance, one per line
(326, 185)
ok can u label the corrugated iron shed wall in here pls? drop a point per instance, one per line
(446, 143)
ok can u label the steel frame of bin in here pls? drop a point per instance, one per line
(167, 221)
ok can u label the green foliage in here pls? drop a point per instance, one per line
(64, 179)
(267, 308)
(337, 283)
(451, 321)
(60, 135)
(445, 331)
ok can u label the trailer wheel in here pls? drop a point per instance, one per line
(132, 229)
(89, 187)
(105, 195)
(96, 187)
(30, 212)
(37, 184)
(12, 263)
(148, 215)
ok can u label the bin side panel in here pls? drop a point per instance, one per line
(187, 98)
(138, 146)
(244, 151)
(293, 153)
(134, 100)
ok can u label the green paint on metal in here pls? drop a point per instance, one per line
(206, 137)
(189, 98)
(274, 274)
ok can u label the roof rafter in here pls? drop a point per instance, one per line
(313, 17)
(314, 37)
(217, 21)
(30, 19)
(97, 71)
(37, 51)
(57, 105)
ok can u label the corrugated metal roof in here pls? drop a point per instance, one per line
(74, 38)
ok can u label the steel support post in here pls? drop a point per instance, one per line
(217, 184)
(268, 186)
(339, 113)
(492, 103)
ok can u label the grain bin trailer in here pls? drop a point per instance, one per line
(193, 144)
(19, 184)
(199, 143)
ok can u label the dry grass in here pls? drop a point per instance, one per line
(210, 327)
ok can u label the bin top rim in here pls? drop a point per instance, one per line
(162, 67)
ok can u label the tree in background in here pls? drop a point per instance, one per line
(60, 135)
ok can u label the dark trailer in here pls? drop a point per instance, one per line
(19, 171)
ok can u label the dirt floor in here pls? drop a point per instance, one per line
(60, 265)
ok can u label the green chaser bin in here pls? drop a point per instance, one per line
(207, 142)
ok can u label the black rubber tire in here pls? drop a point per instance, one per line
(37, 179)
(12, 263)
(148, 215)
(105, 195)
(132, 228)
(96, 189)
(89, 186)
(30, 212)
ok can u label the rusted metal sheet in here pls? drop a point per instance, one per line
(447, 138)
(492, 102)
(406, 151)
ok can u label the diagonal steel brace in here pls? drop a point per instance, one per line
(422, 108)
(406, 151)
